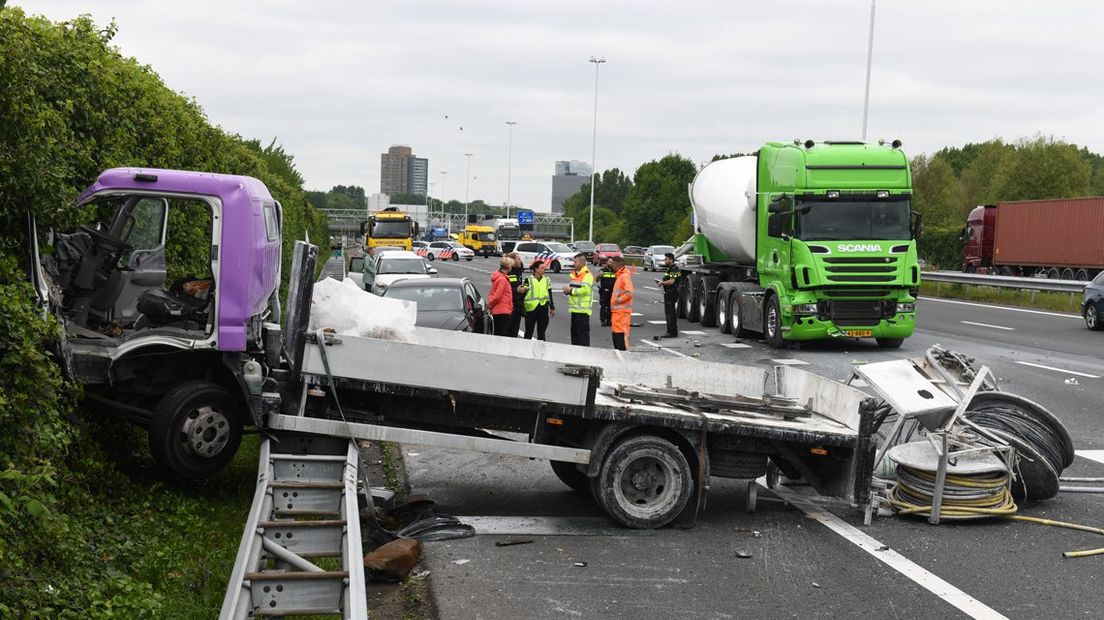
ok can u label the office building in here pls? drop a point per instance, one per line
(417, 175)
(570, 177)
(403, 173)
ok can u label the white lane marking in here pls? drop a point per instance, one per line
(789, 361)
(735, 345)
(929, 581)
(690, 332)
(1095, 455)
(1069, 372)
(968, 303)
(1011, 329)
(637, 314)
(671, 351)
(658, 322)
(651, 288)
(550, 526)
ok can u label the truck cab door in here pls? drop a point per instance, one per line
(144, 264)
(774, 247)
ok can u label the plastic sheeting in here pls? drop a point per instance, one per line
(350, 311)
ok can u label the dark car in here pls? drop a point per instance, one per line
(444, 303)
(1092, 308)
(586, 248)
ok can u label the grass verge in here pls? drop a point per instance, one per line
(1040, 300)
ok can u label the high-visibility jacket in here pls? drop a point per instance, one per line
(622, 298)
(580, 297)
(539, 294)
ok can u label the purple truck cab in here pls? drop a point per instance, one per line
(185, 358)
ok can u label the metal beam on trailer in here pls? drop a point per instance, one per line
(355, 430)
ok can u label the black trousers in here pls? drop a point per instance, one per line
(502, 325)
(515, 318)
(580, 329)
(538, 319)
(619, 341)
(670, 311)
(604, 298)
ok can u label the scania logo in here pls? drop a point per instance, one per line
(860, 247)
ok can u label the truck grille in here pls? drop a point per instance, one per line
(873, 269)
(852, 312)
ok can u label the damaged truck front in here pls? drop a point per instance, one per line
(173, 356)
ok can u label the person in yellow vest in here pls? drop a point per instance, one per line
(538, 302)
(579, 299)
(621, 304)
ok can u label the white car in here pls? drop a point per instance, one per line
(555, 255)
(445, 250)
(685, 256)
(390, 267)
(653, 256)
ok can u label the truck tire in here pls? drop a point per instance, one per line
(890, 343)
(693, 311)
(734, 320)
(736, 464)
(570, 475)
(708, 305)
(722, 311)
(644, 482)
(1082, 275)
(1092, 317)
(195, 430)
(1067, 274)
(772, 323)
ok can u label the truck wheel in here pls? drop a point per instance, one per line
(1067, 274)
(735, 321)
(1082, 275)
(644, 482)
(772, 323)
(890, 343)
(556, 266)
(708, 309)
(1092, 317)
(693, 310)
(722, 311)
(195, 430)
(570, 475)
(1053, 273)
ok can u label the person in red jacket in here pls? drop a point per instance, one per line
(500, 301)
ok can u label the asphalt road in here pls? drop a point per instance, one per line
(798, 565)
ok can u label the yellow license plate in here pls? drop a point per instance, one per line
(858, 333)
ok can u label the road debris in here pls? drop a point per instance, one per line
(581, 564)
(741, 553)
(511, 543)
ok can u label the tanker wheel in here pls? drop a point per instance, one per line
(644, 482)
(772, 323)
(723, 319)
(195, 430)
(684, 300)
(694, 309)
(734, 320)
(708, 310)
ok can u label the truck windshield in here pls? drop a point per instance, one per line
(852, 221)
(402, 265)
(390, 230)
(509, 232)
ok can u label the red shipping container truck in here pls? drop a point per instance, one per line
(1056, 238)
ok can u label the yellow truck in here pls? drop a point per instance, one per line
(390, 227)
(478, 239)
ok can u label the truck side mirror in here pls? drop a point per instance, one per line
(416, 229)
(363, 227)
(916, 226)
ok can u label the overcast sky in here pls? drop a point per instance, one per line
(338, 82)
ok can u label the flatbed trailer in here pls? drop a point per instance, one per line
(641, 434)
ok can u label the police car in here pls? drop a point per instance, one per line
(555, 255)
(445, 250)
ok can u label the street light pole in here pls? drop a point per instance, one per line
(467, 186)
(594, 146)
(509, 164)
(443, 173)
(869, 58)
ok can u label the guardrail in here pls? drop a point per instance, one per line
(1027, 284)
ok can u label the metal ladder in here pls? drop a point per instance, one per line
(305, 508)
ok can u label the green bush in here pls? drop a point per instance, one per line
(942, 247)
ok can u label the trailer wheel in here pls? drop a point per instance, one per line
(890, 343)
(1053, 274)
(694, 309)
(195, 430)
(1067, 274)
(722, 311)
(734, 320)
(569, 474)
(708, 310)
(644, 482)
(772, 323)
(1082, 275)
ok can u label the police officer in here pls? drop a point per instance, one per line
(519, 289)
(605, 290)
(670, 283)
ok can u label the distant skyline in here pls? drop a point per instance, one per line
(338, 83)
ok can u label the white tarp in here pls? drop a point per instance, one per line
(351, 311)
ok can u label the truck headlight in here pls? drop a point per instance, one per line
(804, 308)
(906, 307)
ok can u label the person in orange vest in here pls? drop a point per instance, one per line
(621, 304)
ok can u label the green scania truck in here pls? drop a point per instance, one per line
(806, 241)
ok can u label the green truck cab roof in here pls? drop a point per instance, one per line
(827, 165)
